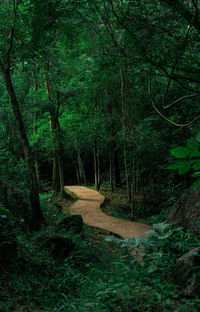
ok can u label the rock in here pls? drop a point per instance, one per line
(59, 247)
(186, 272)
(73, 223)
(186, 211)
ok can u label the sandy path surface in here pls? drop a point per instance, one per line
(88, 205)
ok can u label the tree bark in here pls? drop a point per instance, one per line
(117, 178)
(96, 167)
(57, 172)
(133, 188)
(111, 172)
(124, 127)
(33, 185)
(80, 167)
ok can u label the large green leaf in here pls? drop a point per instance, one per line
(177, 165)
(180, 152)
(195, 184)
(182, 166)
(198, 137)
(196, 174)
(193, 145)
(195, 154)
(4, 213)
(185, 168)
(196, 164)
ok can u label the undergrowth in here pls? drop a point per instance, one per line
(97, 276)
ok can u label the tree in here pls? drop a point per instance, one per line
(6, 61)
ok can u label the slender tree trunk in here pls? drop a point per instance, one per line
(37, 169)
(34, 129)
(33, 185)
(57, 172)
(111, 172)
(124, 127)
(112, 144)
(80, 167)
(61, 175)
(117, 178)
(96, 167)
(133, 188)
(141, 185)
(77, 175)
(127, 175)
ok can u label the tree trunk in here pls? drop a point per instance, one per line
(61, 176)
(80, 167)
(111, 172)
(127, 175)
(77, 174)
(116, 171)
(124, 127)
(57, 172)
(96, 167)
(34, 189)
(133, 188)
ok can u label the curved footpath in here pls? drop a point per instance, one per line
(88, 205)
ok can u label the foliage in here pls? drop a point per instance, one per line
(190, 159)
(119, 79)
(123, 284)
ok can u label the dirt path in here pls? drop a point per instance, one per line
(89, 207)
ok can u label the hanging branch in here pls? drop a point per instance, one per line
(174, 67)
(162, 115)
(180, 51)
(181, 99)
(174, 78)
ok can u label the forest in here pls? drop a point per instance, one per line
(99, 107)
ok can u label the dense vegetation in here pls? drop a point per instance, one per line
(96, 93)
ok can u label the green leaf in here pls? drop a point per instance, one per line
(195, 175)
(4, 211)
(196, 165)
(180, 152)
(185, 168)
(195, 154)
(175, 166)
(161, 227)
(113, 239)
(193, 145)
(195, 184)
(182, 166)
(198, 137)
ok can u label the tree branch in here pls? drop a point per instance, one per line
(181, 99)
(163, 116)
(180, 51)
(166, 75)
(184, 12)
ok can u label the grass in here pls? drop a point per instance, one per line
(116, 204)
